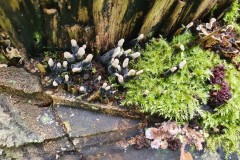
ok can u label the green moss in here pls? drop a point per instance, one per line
(233, 15)
(227, 115)
(174, 97)
(51, 54)
(37, 36)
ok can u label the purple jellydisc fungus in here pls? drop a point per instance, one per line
(219, 96)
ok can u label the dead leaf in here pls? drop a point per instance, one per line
(186, 156)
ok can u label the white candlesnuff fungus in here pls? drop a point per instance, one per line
(127, 52)
(80, 52)
(141, 36)
(116, 52)
(75, 70)
(210, 24)
(69, 57)
(182, 47)
(139, 72)
(199, 27)
(120, 42)
(132, 72)
(65, 63)
(134, 55)
(146, 92)
(82, 89)
(134, 42)
(115, 63)
(73, 42)
(119, 68)
(75, 46)
(104, 85)
(189, 25)
(84, 46)
(173, 69)
(66, 78)
(125, 63)
(99, 78)
(112, 60)
(55, 84)
(120, 53)
(107, 88)
(50, 62)
(88, 59)
(182, 64)
(120, 78)
(59, 65)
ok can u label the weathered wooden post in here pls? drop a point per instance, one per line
(49, 24)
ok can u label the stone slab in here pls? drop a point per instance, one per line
(48, 150)
(23, 122)
(19, 79)
(80, 123)
(119, 152)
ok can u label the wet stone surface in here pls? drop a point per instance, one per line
(19, 79)
(117, 151)
(22, 122)
(80, 123)
(48, 150)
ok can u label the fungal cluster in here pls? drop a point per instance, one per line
(219, 96)
(117, 60)
(75, 71)
(74, 62)
(224, 40)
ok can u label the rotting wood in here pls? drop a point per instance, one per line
(51, 25)
(99, 23)
(197, 9)
(108, 16)
(155, 15)
(168, 25)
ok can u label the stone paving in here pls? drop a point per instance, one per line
(32, 128)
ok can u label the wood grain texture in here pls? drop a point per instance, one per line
(99, 23)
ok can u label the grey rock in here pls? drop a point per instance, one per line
(87, 129)
(120, 152)
(80, 123)
(19, 79)
(23, 122)
(52, 149)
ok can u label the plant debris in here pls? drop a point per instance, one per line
(169, 135)
(225, 41)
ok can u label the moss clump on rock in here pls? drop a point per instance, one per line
(182, 94)
(178, 95)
